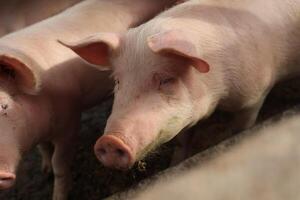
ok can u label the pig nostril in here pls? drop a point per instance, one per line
(102, 151)
(120, 152)
(5, 179)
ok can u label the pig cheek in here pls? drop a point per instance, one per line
(153, 140)
(180, 114)
(170, 130)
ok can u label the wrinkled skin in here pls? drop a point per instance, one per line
(179, 67)
(45, 86)
(17, 14)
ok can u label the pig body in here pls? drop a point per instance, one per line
(45, 86)
(17, 14)
(179, 67)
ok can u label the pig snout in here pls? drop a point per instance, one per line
(112, 152)
(7, 180)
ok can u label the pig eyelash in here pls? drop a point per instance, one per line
(167, 81)
(163, 80)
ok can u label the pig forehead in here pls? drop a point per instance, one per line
(141, 61)
(135, 56)
(134, 52)
(141, 67)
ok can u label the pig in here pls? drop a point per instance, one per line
(45, 86)
(262, 166)
(17, 14)
(190, 60)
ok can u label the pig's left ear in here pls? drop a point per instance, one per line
(175, 42)
(96, 49)
(19, 70)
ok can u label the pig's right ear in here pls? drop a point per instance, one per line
(96, 49)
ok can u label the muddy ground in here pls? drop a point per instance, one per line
(92, 181)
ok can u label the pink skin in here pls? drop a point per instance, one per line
(45, 86)
(179, 67)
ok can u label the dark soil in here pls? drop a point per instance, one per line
(92, 181)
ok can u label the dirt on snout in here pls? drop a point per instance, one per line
(92, 181)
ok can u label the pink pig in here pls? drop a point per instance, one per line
(179, 67)
(45, 86)
(17, 14)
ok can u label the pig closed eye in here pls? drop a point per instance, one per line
(167, 81)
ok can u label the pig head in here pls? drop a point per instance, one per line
(19, 120)
(155, 74)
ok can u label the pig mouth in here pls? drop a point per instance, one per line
(7, 180)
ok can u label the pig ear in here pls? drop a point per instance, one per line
(23, 74)
(96, 49)
(175, 42)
